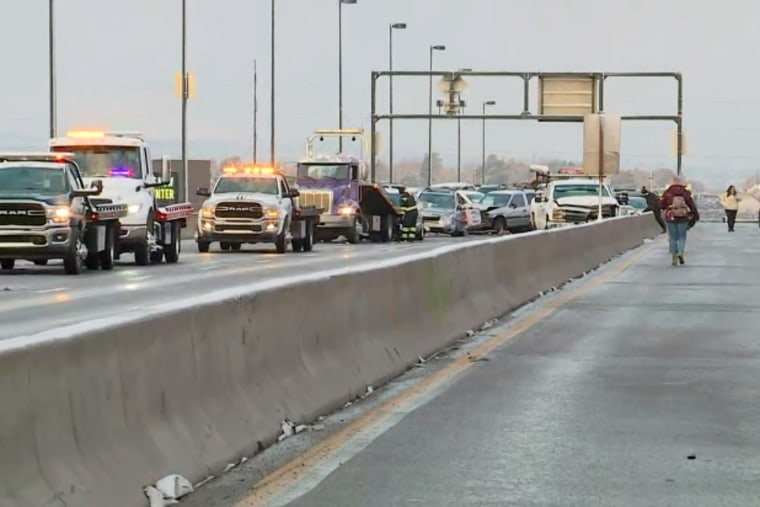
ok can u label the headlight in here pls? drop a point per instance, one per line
(134, 208)
(59, 215)
(207, 212)
(346, 210)
(271, 212)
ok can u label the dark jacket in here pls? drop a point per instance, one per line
(667, 200)
(653, 202)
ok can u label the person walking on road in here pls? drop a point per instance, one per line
(730, 201)
(653, 205)
(681, 214)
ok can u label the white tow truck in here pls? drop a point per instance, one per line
(122, 162)
(255, 205)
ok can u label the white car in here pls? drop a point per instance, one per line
(571, 201)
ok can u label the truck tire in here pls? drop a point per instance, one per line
(7, 264)
(308, 241)
(388, 227)
(107, 255)
(173, 249)
(142, 251)
(500, 225)
(224, 246)
(203, 246)
(353, 235)
(73, 263)
(280, 244)
(41, 262)
(235, 247)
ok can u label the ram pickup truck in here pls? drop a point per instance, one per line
(254, 205)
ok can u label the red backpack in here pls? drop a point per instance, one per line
(679, 208)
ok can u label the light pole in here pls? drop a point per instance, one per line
(255, 113)
(51, 70)
(459, 135)
(340, 69)
(271, 91)
(483, 157)
(430, 114)
(185, 95)
(394, 26)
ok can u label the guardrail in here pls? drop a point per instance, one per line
(93, 412)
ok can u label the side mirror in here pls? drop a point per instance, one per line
(293, 193)
(203, 192)
(165, 173)
(85, 192)
(97, 184)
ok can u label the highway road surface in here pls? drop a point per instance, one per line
(638, 386)
(34, 299)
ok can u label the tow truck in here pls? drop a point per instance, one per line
(354, 207)
(255, 205)
(47, 212)
(122, 162)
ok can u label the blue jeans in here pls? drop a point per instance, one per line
(677, 235)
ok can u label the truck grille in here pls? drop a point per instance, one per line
(321, 199)
(238, 209)
(23, 214)
(97, 201)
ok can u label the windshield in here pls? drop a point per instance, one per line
(38, 180)
(436, 200)
(322, 171)
(499, 200)
(232, 184)
(474, 196)
(637, 202)
(579, 190)
(106, 161)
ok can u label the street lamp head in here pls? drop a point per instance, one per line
(438, 48)
(399, 26)
(489, 103)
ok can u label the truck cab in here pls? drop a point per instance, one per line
(47, 212)
(122, 162)
(354, 207)
(254, 205)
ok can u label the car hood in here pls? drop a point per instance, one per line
(585, 201)
(265, 199)
(49, 199)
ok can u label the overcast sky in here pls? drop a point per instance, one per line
(117, 60)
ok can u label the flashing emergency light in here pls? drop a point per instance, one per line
(86, 134)
(121, 172)
(256, 171)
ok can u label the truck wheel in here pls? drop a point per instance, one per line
(280, 244)
(352, 235)
(224, 246)
(172, 250)
(107, 255)
(500, 225)
(308, 241)
(203, 246)
(142, 250)
(235, 247)
(7, 264)
(388, 229)
(41, 262)
(73, 263)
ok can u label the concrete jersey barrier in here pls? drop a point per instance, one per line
(87, 421)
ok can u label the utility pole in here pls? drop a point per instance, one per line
(255, 114)
(185, 94)
(271, 93)
(51, 64)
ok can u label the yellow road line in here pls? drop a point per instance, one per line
(272, 485)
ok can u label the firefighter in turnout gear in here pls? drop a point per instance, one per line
(409, 219)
